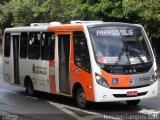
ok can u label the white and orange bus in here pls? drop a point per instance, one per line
(89, 60)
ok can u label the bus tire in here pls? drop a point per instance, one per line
(81, 98)
(133, 102)
(30, 88)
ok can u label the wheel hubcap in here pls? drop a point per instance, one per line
(82, 98)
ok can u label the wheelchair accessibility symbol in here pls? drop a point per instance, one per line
(115, 81)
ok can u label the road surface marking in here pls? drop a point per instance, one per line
(32, 97)
(66, 111)
(92, 115)
(73, 108)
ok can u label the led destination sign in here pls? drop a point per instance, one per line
(106, 32)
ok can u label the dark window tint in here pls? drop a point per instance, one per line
(47, 46)
(23, 45)
(7, 44)
(34, 45)
(81, 53)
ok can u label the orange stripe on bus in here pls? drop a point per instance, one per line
(65, 28)
(123, 80)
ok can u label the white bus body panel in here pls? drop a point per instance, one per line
(40, 78)
(103, 94)
(38, 71)
(8, 68)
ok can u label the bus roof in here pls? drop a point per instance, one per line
(63, 27)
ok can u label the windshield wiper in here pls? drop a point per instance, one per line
(119, 56)
(124, 50)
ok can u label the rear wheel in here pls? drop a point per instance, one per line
(30, 88)
(81, 98)
(133, 102)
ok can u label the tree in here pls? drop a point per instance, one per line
(4, 1)
(71, 10)
(105, 10)
(145, 12)
(5, 16)
(24, 12)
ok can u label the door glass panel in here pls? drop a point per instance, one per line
(64, 53)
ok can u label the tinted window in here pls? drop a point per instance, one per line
(47, 46)
(7, 44)
(23, 45)
(34, 45)
(81, 53)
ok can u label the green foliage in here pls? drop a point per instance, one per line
(24, 12)
(4, 1)
(145, 12)
(71, 10)
(107, 10)
(5, 16)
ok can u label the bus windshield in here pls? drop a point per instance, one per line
(120, 45)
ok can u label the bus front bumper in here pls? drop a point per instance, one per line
(103, 94)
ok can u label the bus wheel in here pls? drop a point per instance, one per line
(133, 102)
(30, 88)
(81, 98)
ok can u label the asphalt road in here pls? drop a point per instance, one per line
(15, 104)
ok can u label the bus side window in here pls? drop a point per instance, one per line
(23, 45)
(7, 44)
(81, 53)
(34, 45)
(47, 46)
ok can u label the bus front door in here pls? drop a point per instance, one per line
(64, 53)
(16, 58)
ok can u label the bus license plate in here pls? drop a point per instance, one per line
(132, 93)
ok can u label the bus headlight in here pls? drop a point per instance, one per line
(101, 80)
(154, 78)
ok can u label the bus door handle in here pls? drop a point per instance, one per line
(77, 70)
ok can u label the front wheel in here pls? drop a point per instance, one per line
(133, 102)
(81, 98)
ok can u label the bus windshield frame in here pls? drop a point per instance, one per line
(120, 44)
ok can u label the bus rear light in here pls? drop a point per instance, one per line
(101, 80)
